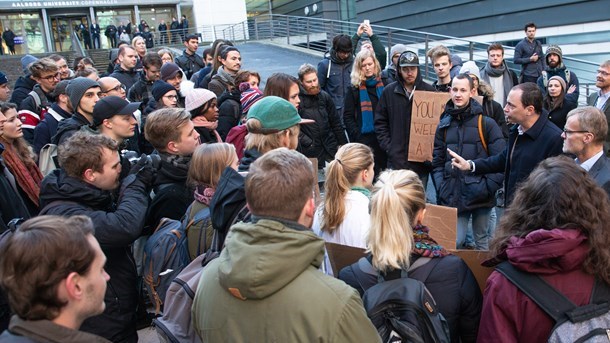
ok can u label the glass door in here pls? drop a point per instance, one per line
(63, 27)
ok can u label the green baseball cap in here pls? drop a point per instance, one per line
(275, 114)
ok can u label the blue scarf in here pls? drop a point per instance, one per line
(366, 106)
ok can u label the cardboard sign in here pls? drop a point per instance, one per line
(442, 222)
(314, 164)
(473, 259)
(425, 115)
(341, 256)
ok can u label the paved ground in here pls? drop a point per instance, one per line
(265, 59)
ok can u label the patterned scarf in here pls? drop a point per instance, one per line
(204, 194)
(366, 106)
(28, 177)
(425, 245)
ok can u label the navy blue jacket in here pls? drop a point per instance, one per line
(600, 172)
(47, 128)
(522, 154)
(460, 133)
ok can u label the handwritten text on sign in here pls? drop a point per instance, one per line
(426, 113)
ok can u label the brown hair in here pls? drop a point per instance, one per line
(152, 59)
(163, 126)
(495, 46)
(244, 75)
(279, 184)
(38, 256)
(279, 84)
(559, 194)
(85, 72)
(84, 151)
(43, 65)
(165, 51)
(351, 159)
(530, 96)
(208, 163)
(439, 51)
(305, 69)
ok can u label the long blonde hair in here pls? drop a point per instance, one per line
(342, 173)
(398, 197)
(357, 77)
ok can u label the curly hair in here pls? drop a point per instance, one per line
(560, 194)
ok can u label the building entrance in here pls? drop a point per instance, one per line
(64, 26)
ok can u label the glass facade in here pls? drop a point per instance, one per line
(28, 29)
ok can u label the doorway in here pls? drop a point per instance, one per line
(63, 27)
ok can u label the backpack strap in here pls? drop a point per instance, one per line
(545, 78)
(482, 132)
(549, 299)
(36, 98)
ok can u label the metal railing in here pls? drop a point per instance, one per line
(316, 34)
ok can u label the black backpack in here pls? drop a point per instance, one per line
(403, 310)
(587, 323)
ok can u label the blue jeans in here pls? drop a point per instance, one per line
(480, 224)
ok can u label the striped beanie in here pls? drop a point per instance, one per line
(248, 97)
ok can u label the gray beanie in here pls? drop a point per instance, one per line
(26, 61)
(397, 49)
(77, 88)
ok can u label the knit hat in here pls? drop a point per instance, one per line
(77, 88)
(408, 59)
(397, 49)
(553, 49)
(275, 115)
(3, 78)
(169, 71)
(561, 81)
(110, 106)
(60, 88)
(249, 96)
(160, 88)
(470, 67)
(26, 61)
(198, 97)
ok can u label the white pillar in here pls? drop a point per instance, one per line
(137, 11)
(48, 30)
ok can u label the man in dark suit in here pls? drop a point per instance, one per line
(584, 135)
(598, 99)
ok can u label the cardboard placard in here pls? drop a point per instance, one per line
(473, 259)
(341, 256)
(442, 222)
(425, 116)
(314, 164)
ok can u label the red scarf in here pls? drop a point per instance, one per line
(28, 177)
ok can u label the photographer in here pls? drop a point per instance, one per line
(85, 184)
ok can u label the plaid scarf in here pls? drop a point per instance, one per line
(366, 106)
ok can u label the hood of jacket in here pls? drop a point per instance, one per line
(74, 123)
(59, 186)
(229, 95)
(25, 82)
(250, 155)
(229, 198)
(548, 251)
(332, 56)
(261, 258)
(418, 80)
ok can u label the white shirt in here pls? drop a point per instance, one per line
(497, 84)
(588, 164)
(601, 100)
(354, 229)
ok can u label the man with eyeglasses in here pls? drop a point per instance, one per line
(111, 86)
(84, 93)
(583, 136)
(34, 107)
(125, 71)
(532, 139)
(599, 99)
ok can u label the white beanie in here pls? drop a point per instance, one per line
(470, 67)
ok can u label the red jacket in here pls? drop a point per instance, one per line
(557, 255)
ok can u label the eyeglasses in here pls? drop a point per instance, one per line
(603, 73)
(173, 97)
(51, 77)
(567, 132)
(116, 89)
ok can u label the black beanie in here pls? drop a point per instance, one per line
(160, 88)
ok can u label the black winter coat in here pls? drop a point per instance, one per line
(47, 128)
(393, 125)
(190, 64)
(453, 287)
(23, 87)
(334, 76)
(229, 112)
(141, 91)
(11, 204)
(67, 127)
(126, 77)
(558, 116)
(322, 138)
(117, 225)
(460, 133)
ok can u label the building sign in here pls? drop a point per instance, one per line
(13, 4)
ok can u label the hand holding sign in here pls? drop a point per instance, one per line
(426, 113)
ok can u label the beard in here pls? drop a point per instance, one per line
(313, 90)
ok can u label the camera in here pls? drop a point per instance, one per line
(133, 158)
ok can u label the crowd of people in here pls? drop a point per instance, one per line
(162, 136)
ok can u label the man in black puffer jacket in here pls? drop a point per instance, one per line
(322, 138)
(458, 130)
(84, 185)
